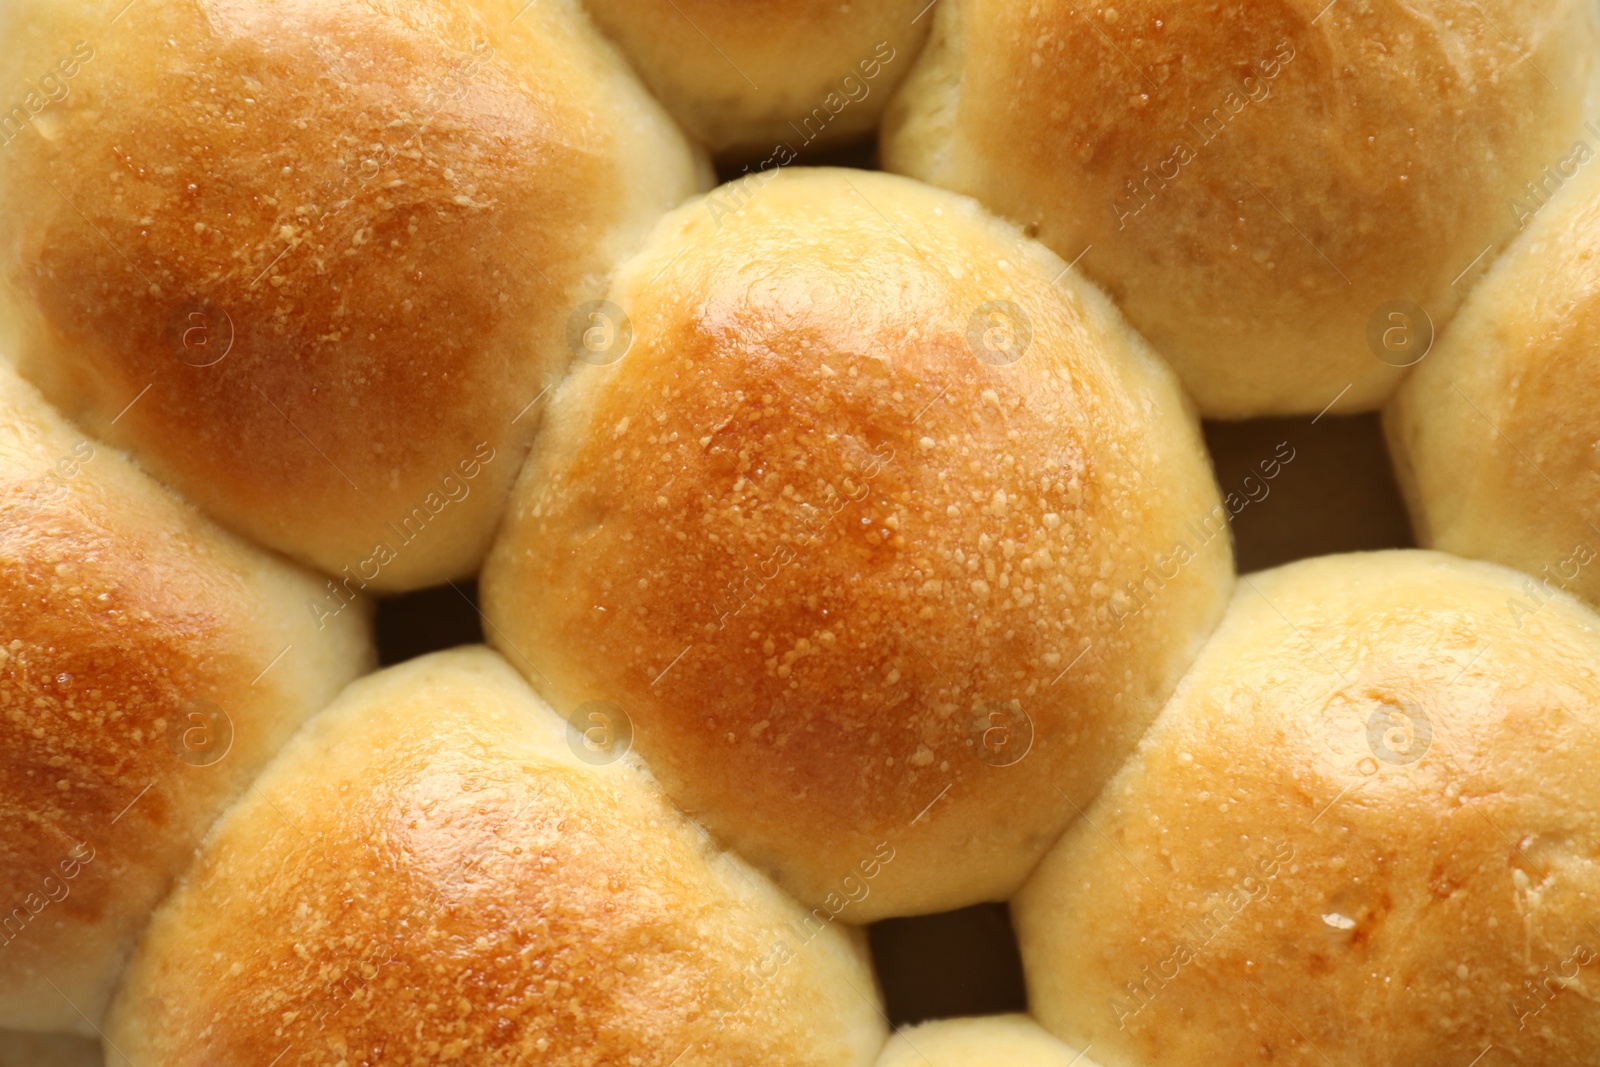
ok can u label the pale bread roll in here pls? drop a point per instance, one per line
(430, 870)
(1255, 184)
(314, 263)
(1494, 433)
(985, 1041)
(1363, 832)
(150, 665)
(766, 81)
(863, 532)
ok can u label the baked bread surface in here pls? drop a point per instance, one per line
(886, 533)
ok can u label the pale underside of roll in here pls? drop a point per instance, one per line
(1493, 435)
(984, 1041)
(764, 84)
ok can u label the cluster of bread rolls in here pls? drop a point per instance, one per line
(847, 543)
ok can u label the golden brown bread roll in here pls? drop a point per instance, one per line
(313, 263)
(429, 874)
(1256, 184)
(765, 82)
(19, 1049)
(1493, 435)
(1363, 832)
(149, 666)
(985, 1041)
(885, 531)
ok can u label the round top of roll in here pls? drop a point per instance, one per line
(1258, 184)
(763, 82)
(150, 665)
(1494, 433)
(882, 527)
(313, 263)
(429, 869)
(1363, 831)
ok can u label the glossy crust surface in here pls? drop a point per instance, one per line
(1494, 433)
(866, 533)
(1254, 183)
(428, 874)
(750, 79)
(313, 262)
(1363, 832)
(986, 1041)
(150, 665)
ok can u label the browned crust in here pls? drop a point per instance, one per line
(427, 877)
(104, 645)
(1362, 831)
(121, 613)
(1256, 179)
(388, 214)
(809, 541)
